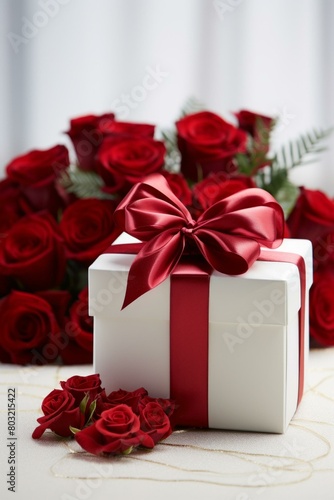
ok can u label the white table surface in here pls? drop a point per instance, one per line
(189, 464)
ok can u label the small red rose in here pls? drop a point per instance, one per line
(130, 398)
(117, 431)
(207, 144)
(256, 125)
(167, 405)
(313, 215)
(60, 413)
(79, 386)
(36, 174)
(126, 129)
(86, 134)
(32, 253)
(125, 161)
(322, 307)
(87, 226)
(155, 422)
(218, 186)
(30, 323)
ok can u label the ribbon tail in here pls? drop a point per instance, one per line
(153, 264)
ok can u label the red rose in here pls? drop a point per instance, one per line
(29, 325)
(130, 398)
(259, 128)
(155, 422)
(312, 217)
(10, 205)
(117, 431)
(125, 129)
(79, 344)
(78, 386)
(36, 173)
(256, 125)
(32, 253)
(124, 162)
(179, 186)
(218, 186)
(86, 135)
(60, 412)
(88, 229)
(207, 144)
(115, 398)
(322, 307)
(167, 405)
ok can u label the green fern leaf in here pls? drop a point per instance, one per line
(84, 184)
(302, 151)
(192, 105)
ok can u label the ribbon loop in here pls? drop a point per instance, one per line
(228, 235)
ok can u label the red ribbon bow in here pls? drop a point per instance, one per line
(228, 235)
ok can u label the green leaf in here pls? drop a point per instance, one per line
(74, 430)
(245, 165)
(287, 196)
(291, 149)
(298, 152)
(303, 141)
(128, 451)
(284, 156)
(192, 105)
(170, 140)
(173, 156)
(92, 408)
(83, 404)
(84, 184)
(311, 139)
(263, 132)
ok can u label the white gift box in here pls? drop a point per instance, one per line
(253, 375)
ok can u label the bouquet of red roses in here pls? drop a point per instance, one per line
(57, 216)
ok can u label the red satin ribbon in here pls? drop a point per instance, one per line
(189, 336)
(292, 258)
(189, 343)
(228, 235)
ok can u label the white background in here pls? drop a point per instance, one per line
(76, 57)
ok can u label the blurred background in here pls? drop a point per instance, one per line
(60, 59)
